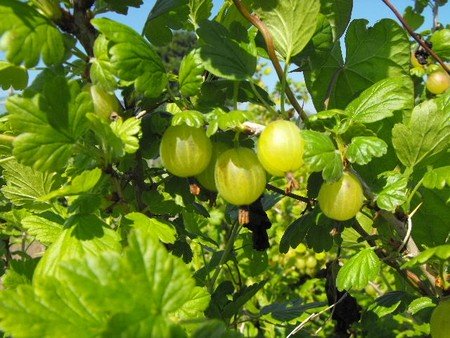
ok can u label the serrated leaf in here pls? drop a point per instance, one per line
(363, 148)
(291, 23)
(12, 76)
(82, 183)
(437, 178)
(191, 72)
(321, 155)
(381, 100)
(107, 137)
(426, 133)
(414, 19)
(85, 234)
(128, 132)
(135, 294)
(358, 270)
(51, 117)
(132, 58)
(232, 119)
(27, 36)
(338, 13)
(394, 193)
(441, 43)
(19, 272)
(441, 252)
(199, 10)
(44, 230)
(101, 72)
(25, 186)
(191, 118)
(372, 54)
(224, 56)
(162, 230)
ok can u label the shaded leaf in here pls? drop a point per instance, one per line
(437, 178)
(338, 13)
(224, 56)
(27, 36)
(394, 192)
(441, 43)
(289, 310)
(12, 76)
(191, 72)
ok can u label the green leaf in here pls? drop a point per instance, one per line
(224, 56)
(12, 76)
(132, 58)
(289, 310)
(437, 178)
(414, 19)
(419, 304)
(51, 117)
(25, 186)
(122, 6)
(82, 183)
(162, 230)
(19, 272)
(85, 234)
(128, 132)
(191, 72)
(240, 298)
(372, 54)
(26, 36)
(292, 23)
(321, 155)
(110, 141)
(215, 328)
(199, 10)
(381, 100)
(425, 134)
(233, 119)
(297, 231)
(389, 303)
(191, 118)
(358, 270)
(338, 13)
(441, 43)
(101, 72)
(394, 193)
(363, 148)
(44, 230)
(441, 252)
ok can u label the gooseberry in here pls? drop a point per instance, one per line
(341, 200)
(185, 151)
(206, 177)
(440, 320)
(104, 103)
(438, 82)
(240, 178)
(280, 148)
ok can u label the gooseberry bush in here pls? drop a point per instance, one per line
(139, 200)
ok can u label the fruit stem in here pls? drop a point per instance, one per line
(228, 248)
(235, 94)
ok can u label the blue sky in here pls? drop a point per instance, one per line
(372, 10)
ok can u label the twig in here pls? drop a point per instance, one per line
(416, 36)
(295, 196)
(314, 315)
(409, 229)
(256, 21)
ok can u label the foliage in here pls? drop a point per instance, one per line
(99, 239)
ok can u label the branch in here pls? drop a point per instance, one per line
(282, 192)
(256, 21)
(416, 36)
